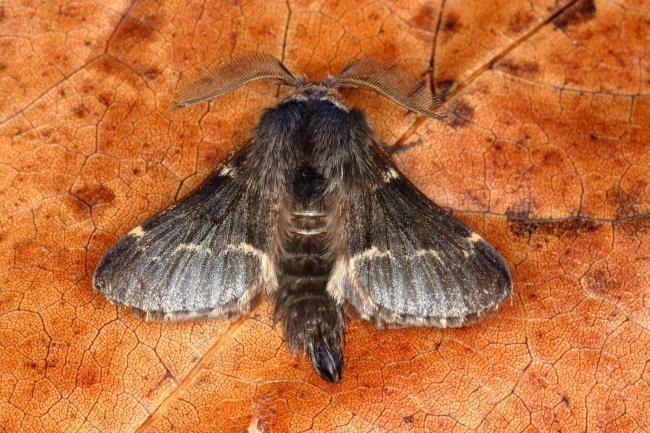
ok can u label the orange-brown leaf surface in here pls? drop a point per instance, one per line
(546, 153)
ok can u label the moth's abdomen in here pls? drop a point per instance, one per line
(312, 319)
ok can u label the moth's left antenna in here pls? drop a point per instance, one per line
(224, 78)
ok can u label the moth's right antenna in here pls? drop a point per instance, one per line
(390, 82)
(242, 70)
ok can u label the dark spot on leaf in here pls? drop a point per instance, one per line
(520, 21)
(424, 18)
(80, 209)
(87, 377)
(520, 225)
(153, 20)
(518, 69)
(94, 194)
(635, 227)
(3, 66)
(390, 50)
(108, 66)
(460, 114)
(581, 11)
(168, 375)
(80, 111)
(203, 379)
(131, 32)
(2, 13)
(600, 282)
(593, 137)
(69, 11)
(151, 74)
(62, 92)
(565, 400)
(409, 419)
(626, 202)
(87, 88)
(445, 87)
(450, 23)
(552, 158)
(105, 99)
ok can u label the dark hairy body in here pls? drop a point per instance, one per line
(313, 127)
(311, 213)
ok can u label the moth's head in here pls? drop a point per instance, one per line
(364, 72)
(315, 91)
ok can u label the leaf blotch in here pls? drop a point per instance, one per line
(580, 12)
(80, 111)
(445, 86)
(520, 21)
(552, 158)
(626, 202)
(460, 114)
(34, 366)
(87, 377)
(450, 23)
(600, 282)
(151, 74)
(93, 195)
(131, 32)
(521, 69)
(424, 18)
(520, 225)
(635, 227)
(409, 419)
(80, 209)
(105, 99)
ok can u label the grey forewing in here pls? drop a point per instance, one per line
(206, 255)
(212, 253)
(404, 260)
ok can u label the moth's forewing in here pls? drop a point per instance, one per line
(411, 263)
(207, 255)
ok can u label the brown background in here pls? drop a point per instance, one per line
(546, 155)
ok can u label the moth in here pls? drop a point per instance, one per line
(310, 212)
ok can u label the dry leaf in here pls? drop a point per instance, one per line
(545, 154)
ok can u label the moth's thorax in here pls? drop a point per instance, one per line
(317, 92)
